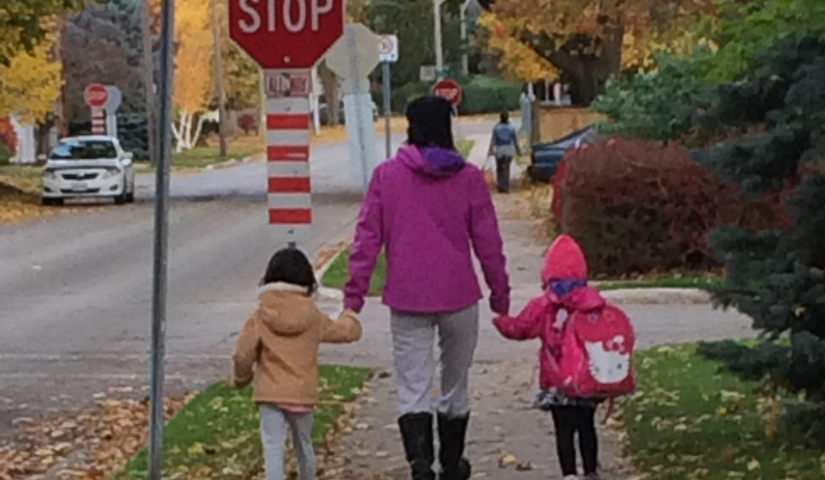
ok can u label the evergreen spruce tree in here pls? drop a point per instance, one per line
(776, 117)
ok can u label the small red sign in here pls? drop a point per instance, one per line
(96, 95)
(288, 83)
(286, 33)
(449, 89)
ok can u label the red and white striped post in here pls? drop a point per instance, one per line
(96, 96)
(287, 153)
(98, 121)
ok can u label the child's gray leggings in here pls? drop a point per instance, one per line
(413, 338)
(274, 423)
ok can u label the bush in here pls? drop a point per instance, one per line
(485, 94)
(482, 94)
(661, 105)
(247, 123)
(643, 207)
(8, 140)
(403, 95)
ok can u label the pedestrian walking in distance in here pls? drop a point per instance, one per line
(282, 337)
(504, 146)
(429, 210)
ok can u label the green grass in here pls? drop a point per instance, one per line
(689, 420)
(704, 283)
(21, 171)
(338, 274)
(465, 146)
(200, 157)
(216, 435)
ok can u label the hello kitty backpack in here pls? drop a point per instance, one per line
(597, 354)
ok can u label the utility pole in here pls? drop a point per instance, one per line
(217, 62)
(465, 62)
(148, 81)
(60, 106)
(439, 47)
(160, 267)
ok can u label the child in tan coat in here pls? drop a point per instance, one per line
(282, 337)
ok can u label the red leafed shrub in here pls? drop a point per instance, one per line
(247, 122)
(8, 137)
(643, 207)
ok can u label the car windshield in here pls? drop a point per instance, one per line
(73, 149)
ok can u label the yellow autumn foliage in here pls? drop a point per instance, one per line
(31, 82)
(193, 74)
(648, 26)
(518, 61)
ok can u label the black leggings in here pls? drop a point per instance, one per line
(570, 420)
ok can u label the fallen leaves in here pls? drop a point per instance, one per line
(87, 445)
(19, 201)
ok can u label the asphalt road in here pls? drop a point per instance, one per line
(75, 290)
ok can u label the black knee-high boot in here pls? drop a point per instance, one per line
(452, 433)
(417, 435)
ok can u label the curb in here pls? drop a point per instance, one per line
(331, 294)
(659, 296)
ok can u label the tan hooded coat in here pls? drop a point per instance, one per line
(282, 337)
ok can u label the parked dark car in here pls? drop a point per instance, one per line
(545, 157)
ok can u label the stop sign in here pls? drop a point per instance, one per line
(449, 89)
(96, 95)
(286, 34)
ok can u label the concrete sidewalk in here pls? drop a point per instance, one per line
(503, 423)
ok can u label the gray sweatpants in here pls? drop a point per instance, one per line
(274, 423)
(413, 337)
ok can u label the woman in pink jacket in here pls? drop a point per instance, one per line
(429, 211)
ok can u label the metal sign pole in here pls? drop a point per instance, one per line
(160, 266)
(387, 108)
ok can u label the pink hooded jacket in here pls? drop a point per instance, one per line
(430, 212)
(564, 262)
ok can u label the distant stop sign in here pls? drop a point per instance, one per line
(449, 89)
(96, 95)
(286, 34)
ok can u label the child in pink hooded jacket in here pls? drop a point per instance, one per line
(564, 281)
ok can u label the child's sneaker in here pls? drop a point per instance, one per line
(592, 476)
(571, 477)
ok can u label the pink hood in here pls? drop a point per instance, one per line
(564, 261)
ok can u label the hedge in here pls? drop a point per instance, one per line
(641, 207)
(489, 95)
(482, 94)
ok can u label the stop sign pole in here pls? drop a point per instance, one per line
(96, 96)
(287, 38)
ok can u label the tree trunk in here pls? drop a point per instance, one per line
(330, 82)
(148, 82)
(219, 90)
(594, 74)
(197, 135)
(586, 76)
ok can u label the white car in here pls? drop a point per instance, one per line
(88, 167)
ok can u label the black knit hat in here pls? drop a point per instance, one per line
(430, 122)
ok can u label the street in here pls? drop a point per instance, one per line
(76, 289)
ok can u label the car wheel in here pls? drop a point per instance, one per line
(123, 197)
